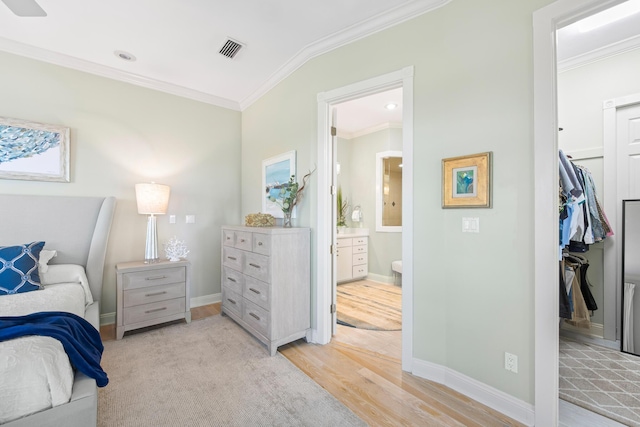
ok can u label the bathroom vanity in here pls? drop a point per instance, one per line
(352, 247)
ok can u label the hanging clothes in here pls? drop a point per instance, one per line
(582, 223)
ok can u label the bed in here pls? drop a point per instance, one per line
(77, 228)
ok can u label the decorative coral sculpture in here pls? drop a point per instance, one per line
(175, 249)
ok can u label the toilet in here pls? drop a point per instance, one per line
(396, 267)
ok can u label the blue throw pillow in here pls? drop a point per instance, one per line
(19, 268)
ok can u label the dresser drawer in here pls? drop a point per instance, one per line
(153, 294)
(256, 317)
(341, 243)
(256, 265)
(359, 270)
(243, 240)
(233, 279)
(360, 258)
(262, 243)
(142, 279)
(256, 292)
(232, 257)
(359, 249)
(140, 313)
(228, 237)
(360, 240)
(232, 301)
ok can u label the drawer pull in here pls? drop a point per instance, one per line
(231, 301)
(155, 278)
(155, 294)
(231, 279)
(259, 243)
(155, 309)
(232, 258)
(242, 240)
(254, 265)
(255, 291)
(255, 316)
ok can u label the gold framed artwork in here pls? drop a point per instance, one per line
(466, 181)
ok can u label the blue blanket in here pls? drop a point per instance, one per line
(79, 338)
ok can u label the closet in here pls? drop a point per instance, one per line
(582, 222)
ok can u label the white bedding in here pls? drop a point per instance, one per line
(35, 372)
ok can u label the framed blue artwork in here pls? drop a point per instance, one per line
(276, 172)
(466, 181)
(33, 151)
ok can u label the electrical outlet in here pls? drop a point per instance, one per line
(511, 362)
(190, 219)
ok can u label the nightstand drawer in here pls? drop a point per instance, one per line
(232, 279)
(262, 244)
(153, 294)
(257, 266)
(232, 257)
(140, 313)
(256, 292)
(256, 317)
(232, 301)
(142, 279)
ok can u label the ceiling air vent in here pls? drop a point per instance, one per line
(230, 48)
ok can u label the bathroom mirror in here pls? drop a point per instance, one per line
(631, 276)
(389, 191)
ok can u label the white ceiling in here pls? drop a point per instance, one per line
(176, 42)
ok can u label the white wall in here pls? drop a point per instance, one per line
(581, 92)
(121, 135)
(473, 293)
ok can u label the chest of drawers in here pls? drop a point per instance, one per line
(149, 294)
(266, 282)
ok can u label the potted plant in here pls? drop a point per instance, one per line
(342, 205)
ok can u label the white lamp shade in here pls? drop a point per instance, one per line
(152, 198)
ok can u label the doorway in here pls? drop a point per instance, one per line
(327, 233)
(368, 173)
(546, 23)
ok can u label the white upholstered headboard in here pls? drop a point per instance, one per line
(76, 227)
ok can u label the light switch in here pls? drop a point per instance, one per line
(172, 219)
(191, 219)
(470, 225)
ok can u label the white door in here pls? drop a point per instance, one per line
(334, 220)
(628, 142)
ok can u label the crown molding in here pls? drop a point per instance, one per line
(367, 131)
(599, 54)
(67, 61)
(355, 32)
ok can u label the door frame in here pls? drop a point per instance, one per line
(545, 23)
(325, 233)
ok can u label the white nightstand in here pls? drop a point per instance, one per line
(149, 294)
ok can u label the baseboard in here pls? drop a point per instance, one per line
(495, 399)
(589, 339)
(110, 318)
(380, 278)
(596, 330)
(206, 300)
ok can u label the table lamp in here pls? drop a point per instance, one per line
(152, 200)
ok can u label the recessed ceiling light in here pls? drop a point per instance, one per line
(125, 56)
(391, 106)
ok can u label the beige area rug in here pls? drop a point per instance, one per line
(210, 372)
(601, 380)
(370, 305)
